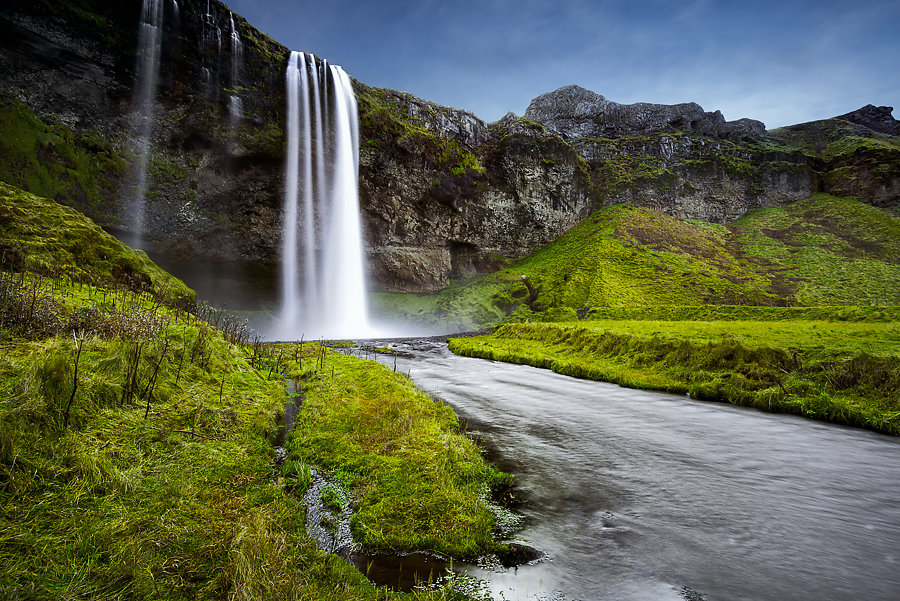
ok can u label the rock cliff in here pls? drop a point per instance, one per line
(574, 112)
(444, 195)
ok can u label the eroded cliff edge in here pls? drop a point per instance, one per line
(444, 194)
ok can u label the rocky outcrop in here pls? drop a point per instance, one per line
(876, 118)
(574, 112)
(444, 195)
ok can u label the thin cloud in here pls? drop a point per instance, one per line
(776, 61)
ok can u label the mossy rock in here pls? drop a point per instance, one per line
(44, 237)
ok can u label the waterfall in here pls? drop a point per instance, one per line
(212, 37)
(323, 280)
(149, 50)
(235, 104)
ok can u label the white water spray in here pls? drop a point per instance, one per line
(322, 167)
(149, 50)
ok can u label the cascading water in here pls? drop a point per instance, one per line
(149, 50)
(212, 38)
(235, 104)
(329, 300)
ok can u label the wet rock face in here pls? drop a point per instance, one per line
(574, 112)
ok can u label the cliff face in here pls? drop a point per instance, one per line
(444, 195)
(574, 112)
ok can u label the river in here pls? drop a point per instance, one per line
(641, 496)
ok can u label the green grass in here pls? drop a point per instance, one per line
(158, 482)
(419, 480)
(828, 250)
(820, 251)
(51, 160)
(123, 501)
(136, 457)
(846, 372)
(41, 236)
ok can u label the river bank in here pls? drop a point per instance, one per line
(638, 495)
(809, 363)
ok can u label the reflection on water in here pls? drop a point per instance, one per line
(400, 572)
(637, 495)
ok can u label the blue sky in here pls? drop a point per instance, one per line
(782, 62)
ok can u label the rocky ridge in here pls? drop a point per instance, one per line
(574, 112)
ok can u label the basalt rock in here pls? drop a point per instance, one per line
(574, 112)
(876, 118)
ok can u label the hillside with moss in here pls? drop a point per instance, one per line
(138, 433)
(40, 236)
(823, 250)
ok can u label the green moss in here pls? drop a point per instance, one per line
(418, 479)
(51, 160)
(386, 124)
(830, 251)
(41, 236)
(265, 141)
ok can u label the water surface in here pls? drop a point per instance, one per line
(638, 495)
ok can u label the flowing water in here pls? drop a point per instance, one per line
(323, 280)
(148, 55)
(235, 102)
(643, 496)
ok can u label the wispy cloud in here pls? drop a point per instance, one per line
(777, 61)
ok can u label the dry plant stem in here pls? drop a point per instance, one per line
(78, 347)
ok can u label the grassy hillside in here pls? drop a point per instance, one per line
(136, 440)
(41, 236)
(820, 251)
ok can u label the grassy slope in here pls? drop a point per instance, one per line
(41, 236)
(827, 250)
(820, 251)
(158, 482)
(844, 372)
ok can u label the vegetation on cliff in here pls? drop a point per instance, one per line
(53, 161)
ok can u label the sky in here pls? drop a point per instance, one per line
(780, 62)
